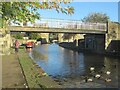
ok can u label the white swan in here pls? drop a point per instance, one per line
(108, 72)
(97, 75)
(90, 79)
(92, 68)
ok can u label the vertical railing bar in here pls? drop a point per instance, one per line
(67, 24)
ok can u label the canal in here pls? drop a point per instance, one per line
(70, 68)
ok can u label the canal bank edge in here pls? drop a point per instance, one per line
(35, 76)
(76, 48)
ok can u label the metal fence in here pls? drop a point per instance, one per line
(70, 24)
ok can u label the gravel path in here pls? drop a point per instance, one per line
(12, 76)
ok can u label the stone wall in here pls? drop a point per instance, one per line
(60, 37)
(112, 37)
(5, 42)
(45, 35)
(75, 37)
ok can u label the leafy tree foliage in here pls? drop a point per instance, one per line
(18, 36)
(34, 36)
(28, 11)
(96, 17)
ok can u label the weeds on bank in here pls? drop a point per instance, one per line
(31, 72)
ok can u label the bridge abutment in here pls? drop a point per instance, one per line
(113, 38)
(95, 42)
(60, 37)
(77, 37)
(45, 35)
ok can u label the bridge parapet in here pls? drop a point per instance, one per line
(70, 24)
(62, 26)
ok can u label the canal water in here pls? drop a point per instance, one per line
(70, 68)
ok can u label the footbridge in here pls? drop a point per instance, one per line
(61, 26)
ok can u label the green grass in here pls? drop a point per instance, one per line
(30, 70)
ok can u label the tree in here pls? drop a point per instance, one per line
(28, 11)
(18, 36)
(34, 36)
(96, 17)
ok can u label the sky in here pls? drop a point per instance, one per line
(83, 9)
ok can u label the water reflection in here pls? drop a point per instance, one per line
(29, 50)
(57, 61)
(39, 56)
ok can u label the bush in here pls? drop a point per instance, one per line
(34, 36)
(18, 36)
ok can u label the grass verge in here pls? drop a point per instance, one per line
(31, 70)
